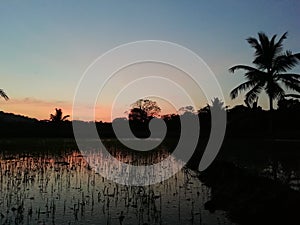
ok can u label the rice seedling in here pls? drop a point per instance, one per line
(51, 188)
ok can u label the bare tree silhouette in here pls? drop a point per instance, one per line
(271, 66)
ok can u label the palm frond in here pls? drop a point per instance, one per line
(272, 42)
(256, 45)
(253, 93)
(3, 95)
(257, 75)
(274, 90)
(268, 53)
(297, 55)
(264, 40)
(242, 87)
(251, 74)
(287, 75)
(65, 117)
(242, 67)
(260, 47)
(291, 83)
(286, 61)
(292, 95)
(278, 46)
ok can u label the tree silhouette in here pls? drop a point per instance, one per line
(3, 95)
(57, 117)
(217, 104)
(289, 105)
(186, 110)
(138, 114)
(143, 110)
(271, 66)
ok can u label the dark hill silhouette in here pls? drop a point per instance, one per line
(11, 117)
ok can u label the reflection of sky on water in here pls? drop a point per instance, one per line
(51, 189)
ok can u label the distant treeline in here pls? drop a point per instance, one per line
(241, 122)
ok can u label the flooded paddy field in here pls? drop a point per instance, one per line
(59, 187)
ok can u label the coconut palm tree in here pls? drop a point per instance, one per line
(3, 95)
(270, 72)
(58, 116)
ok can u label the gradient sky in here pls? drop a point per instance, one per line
(45, 46)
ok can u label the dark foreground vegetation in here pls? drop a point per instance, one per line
(249, 198)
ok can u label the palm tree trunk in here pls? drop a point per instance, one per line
(271, 117)
(271, 103)
(271, 145)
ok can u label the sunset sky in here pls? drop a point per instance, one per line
(45, 46)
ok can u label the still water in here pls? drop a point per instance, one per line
(61, 188)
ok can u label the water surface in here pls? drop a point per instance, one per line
(61, 188)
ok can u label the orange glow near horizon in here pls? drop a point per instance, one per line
(41, 110)
(34, 108)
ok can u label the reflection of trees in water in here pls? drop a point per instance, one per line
(46, 188)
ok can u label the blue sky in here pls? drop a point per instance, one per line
(45, 46)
